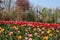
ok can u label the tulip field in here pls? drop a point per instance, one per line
(19, 30)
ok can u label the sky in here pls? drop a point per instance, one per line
(46, 3)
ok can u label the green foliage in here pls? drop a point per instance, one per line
(48, 15)
(31, 16)
(45, 14)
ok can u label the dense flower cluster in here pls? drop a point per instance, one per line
(33, 24)
(16, 30)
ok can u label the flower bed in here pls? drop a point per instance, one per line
(16, 30)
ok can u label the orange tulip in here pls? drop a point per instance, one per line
(14, 27)
(19, 37)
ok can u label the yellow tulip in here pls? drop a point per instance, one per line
(51, 34)
(1, 30)
(48, 31)
(45, 37)
(57, 30)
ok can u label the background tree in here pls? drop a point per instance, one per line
(49, 13)
(56, 15)
(44, 14)
(31, 14)
(6, 13)
(7, 4)
(23, 6)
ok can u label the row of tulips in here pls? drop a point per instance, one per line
(33, 24)
(16, 30)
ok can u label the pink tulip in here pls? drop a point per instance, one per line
(42, 32)
(30, 35)
(10, 33)
(30, 39)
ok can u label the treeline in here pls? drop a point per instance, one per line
(23, 11)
